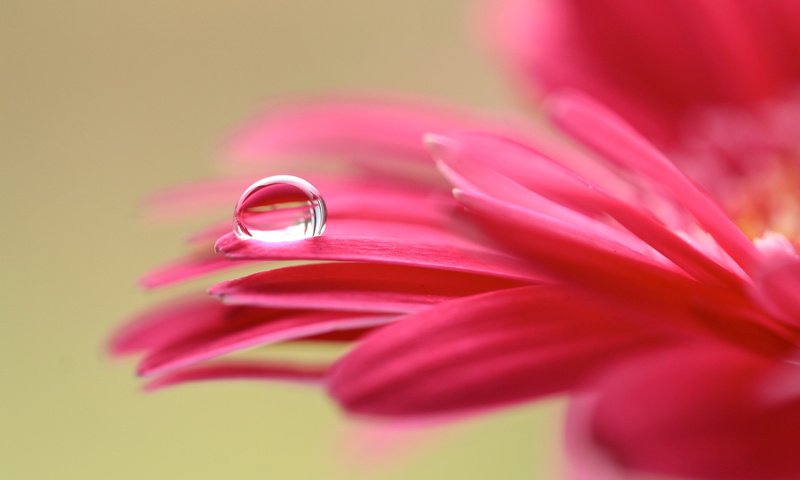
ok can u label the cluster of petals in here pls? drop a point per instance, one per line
(473, 264)
(715, 84)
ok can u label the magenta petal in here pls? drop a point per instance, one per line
(345, 197)
(240, 370)
(695, 412)
(165, 323)
(244, 328)
(603, 131)
(350, 210)
(354, 287)
(777, 284)
(400, 251)
(200, 317)
(189, 267)
(481, 352)
(581, 255)
(524, 178)
(371, 128)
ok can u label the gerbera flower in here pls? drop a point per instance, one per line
(493, 266)
(621, 280)
(715, 84)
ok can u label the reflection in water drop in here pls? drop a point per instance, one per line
(280, 208)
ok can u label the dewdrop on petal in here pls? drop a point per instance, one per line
(280, 208)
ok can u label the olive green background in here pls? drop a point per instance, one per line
(102, 102)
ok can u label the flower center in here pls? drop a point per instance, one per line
(749, 159)
(770, 201)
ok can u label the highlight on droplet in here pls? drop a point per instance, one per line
(279, 208)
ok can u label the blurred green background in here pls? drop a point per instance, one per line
(103, 102)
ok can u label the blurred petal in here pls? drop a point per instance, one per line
(482, 352)
(186, 268)
(603, 131)
(777, 285)
(697, 414)
(345, 197)
(571, 199)
(371, 128)
(240, 370)
(238, 328)
(165, 323)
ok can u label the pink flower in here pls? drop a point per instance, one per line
(547, 271)
(493, 265)
(714, 83)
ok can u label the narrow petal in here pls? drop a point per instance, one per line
(371, 128)
(165, 323)
(579, 203)
(354, 287)
(607, 134)
(393, 251)
(195, 316)
(352, 196)
(482, 352)
(243, 328)
(352, 202)
(189, 267)
(240, 370)
(579, 254)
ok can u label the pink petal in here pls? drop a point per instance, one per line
(603, 131)
(374, 202)
(474, 156)
(166, 323)
(777, 285)
(435, 253)
(374, 449)
(543, 44)
(583, 258)
(478, 162)
(245, 327)
(655, 64)
(371, 128)
(354, 287)
(579, 254)
(352, 196)
(189, 267)
(584, 460)
(482, 352)
(451, 236)
(694, 412)
(240, 370)
(195, 317)
(196, 198)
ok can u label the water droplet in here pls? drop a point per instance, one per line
(280, 208)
